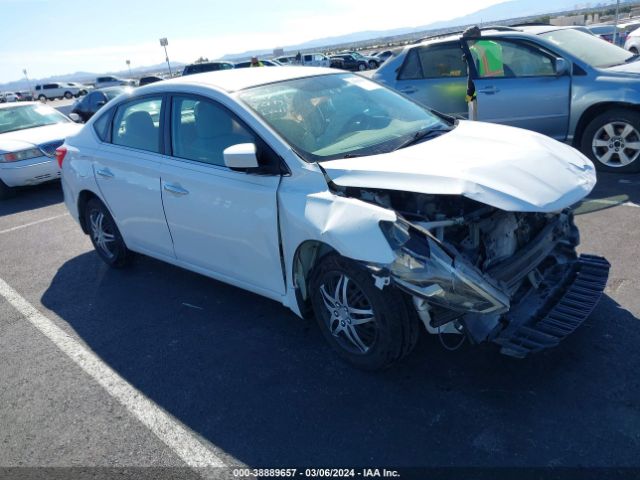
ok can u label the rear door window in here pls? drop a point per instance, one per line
(137, 124)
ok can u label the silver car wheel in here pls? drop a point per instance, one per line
(349, 315)
(616, 144)
(103, 238)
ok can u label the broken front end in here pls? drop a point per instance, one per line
(507, 277)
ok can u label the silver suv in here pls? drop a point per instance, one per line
(51, 91)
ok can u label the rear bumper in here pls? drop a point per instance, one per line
(29, 172)
(565, 309)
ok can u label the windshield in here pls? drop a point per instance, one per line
(337, 116)
(588, 48)
(29, 116)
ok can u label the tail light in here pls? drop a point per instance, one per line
(61, 152)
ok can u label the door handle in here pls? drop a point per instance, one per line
(105, 172)
(409, 90)
(175, 189)
(489, 90)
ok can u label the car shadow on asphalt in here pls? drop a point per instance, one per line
(32, 198)
(262, 385)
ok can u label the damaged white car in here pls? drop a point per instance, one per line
(343, 200)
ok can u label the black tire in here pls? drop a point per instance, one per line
(594, 131)
(42, 98)
(112, 250)
(362, 66)
(384, 337)
(373, 64)
(68, 95)
(6, 191)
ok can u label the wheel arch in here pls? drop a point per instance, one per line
(83, 199)
(592, 112)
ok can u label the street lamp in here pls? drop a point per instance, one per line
(129, 66)
(24, 70)
(164, 43)
(615, 25)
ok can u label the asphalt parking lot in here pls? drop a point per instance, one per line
(256, 386)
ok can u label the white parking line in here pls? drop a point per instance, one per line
(19, 227)
(609, 202)
(177, 437)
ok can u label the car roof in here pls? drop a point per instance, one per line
(499, 31)
(233, 80)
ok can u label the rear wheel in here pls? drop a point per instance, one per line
(105, 235)
(612, 141)
(68, 95)
(6, 191)
(362, 67)
(368, 327)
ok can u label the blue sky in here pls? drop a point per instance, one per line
(49, 37)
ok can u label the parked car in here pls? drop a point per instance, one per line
(110, 81)
(265, 63)
(372, 62)
(52, 91)
(632, 42)
(350, 62)
(342, 199)
(149, 79)
(606, 32)
(94, 101)
(29, 134)
(312, 59)
(384, 55)
(286, 60)
(24, 96)
(558, 81)
(83, 89)
(9, 97)
(206, 67)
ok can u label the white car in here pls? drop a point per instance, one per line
(9, 97)
(342, 199)
(29, 135)
(51, 91)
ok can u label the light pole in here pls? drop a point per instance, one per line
(615, 24)
(164, 43)
(129, 66)
(24, 70)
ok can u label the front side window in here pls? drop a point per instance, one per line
(137, 125)
(504, 58)
(201, 130)
(336, 116)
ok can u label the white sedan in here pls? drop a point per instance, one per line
(29, 135)
(342, 200)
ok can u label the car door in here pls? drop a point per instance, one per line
(127, 170)
(517, 84)
(436, 76)
(223, 222)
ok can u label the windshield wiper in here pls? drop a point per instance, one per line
(421, 135)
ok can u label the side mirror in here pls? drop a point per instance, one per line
(242, 155)
(561, 67)
(75, 117)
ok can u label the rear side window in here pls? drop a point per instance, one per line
(101, 127)
(411, 68)
(441, 61)
(137, 125)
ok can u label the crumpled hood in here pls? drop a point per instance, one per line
(508, 168)
(24, 139)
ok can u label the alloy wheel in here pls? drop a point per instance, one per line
(349, 315)
(616, 144)
(102, 234)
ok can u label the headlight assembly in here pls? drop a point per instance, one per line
(425, 269)
(21, 155)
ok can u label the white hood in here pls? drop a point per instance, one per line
(508, 168)
(30, 137)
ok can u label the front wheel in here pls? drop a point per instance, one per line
(373, 64)
(105, 235)
(371, 328)
(612, 141)
(68, 95)
(42, 98)
(362, 67)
